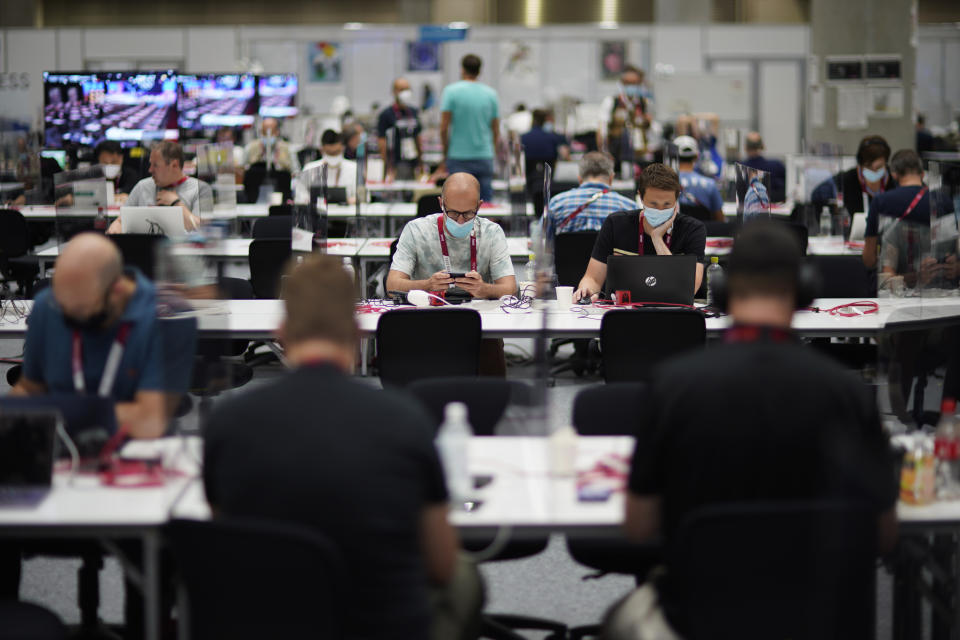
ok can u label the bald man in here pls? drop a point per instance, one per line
(456, 241)
(398, 133)
(96, 304)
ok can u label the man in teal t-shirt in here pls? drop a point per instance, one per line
(470, 126)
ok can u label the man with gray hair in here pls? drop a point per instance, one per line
(586, 207)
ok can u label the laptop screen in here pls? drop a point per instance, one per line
(653, 279)
(27, 441)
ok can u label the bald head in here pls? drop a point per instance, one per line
(400, 84)
(461, 192)
(88, 265)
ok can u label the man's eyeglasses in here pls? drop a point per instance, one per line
(461, 216)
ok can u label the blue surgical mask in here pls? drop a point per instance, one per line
(874, 176)
(458, 229)
(657, 217)
(633, 90)
(548, 127)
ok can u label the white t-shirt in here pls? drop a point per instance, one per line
(196, 194)
(342, 175)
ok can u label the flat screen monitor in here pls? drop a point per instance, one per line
(217, 100)
(278, 95)
(129, 106)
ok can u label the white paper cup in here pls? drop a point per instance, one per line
(564, 297)
(276, 198)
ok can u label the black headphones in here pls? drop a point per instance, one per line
(808, 287)
(868, 141)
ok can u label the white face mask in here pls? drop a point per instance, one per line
(111, 171)
(405, 96)
(333, 160)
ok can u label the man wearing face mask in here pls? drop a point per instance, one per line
(656, 229)
(270, 148)
(625, 119)
(109, 155)
(398, 134)
(454, 241)
(862, 183)
(340, 171)
(94, 309)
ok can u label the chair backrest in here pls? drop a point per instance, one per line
(634, 341)
(571, 254)
(608, 409)
(14, 234)
(696, 210)
(777, 570)
(139, 250)
(250, 579)
(267, 259)
(280, 210)
(799, 230)
(486, 398)
(178, 342)
(275, 227)
(560, 186)
(425, 343)
(428, 205)
(843, 277)
(717, 229)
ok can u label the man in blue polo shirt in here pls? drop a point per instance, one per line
(698, 190)
(95, 309)
(470, 126)
(586, 207)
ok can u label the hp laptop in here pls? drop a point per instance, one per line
(27, 440)
(665, 279)
(164, 221)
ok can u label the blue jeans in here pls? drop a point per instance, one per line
(479, 168)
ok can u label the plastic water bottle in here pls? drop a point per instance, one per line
(826, 222)
(348, 266)
(453, 439)
(531, 268)
(947, 451)
(712, 271)
(100, 222)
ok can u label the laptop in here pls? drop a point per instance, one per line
(27, 442)
(652, 279)
(88, 420)
(164, 221)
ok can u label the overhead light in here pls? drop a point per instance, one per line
(353, 26)
(608, 25)
(458, 25)
(609, 13)
(532, 13)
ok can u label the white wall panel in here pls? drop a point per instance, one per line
(211, 50)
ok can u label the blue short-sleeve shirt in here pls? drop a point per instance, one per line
(47, 351)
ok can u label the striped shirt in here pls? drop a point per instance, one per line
(591, 218)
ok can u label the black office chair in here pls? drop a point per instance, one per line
(307, 155)
(696, 210)
(425, 343)
(560, 186)
(634, 341)
(267, 259)
(253, 579)
(571, 254)
(280, 210)
(717, 229)
(487, 399)
(428, 205)
(273, 228)
(14, 245)
(799, 230)
(28, 621)
(799, 570)
(140, 250)
(609, 410)
(844, 277)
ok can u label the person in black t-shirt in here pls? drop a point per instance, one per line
(666, 231)
(398, 133)
(862, 183)
(319, 449)
(761, 417)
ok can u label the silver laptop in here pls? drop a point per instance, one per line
(163, 221)
(27, 441)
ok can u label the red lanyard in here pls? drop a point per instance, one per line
(755, 334)
(109, 369)
(668, 238)
(583, 206)
(916, 200)
(446, 253)
(177, 183)
(863, 183)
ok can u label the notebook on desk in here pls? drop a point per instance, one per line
(668, 280)
(27, 441)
